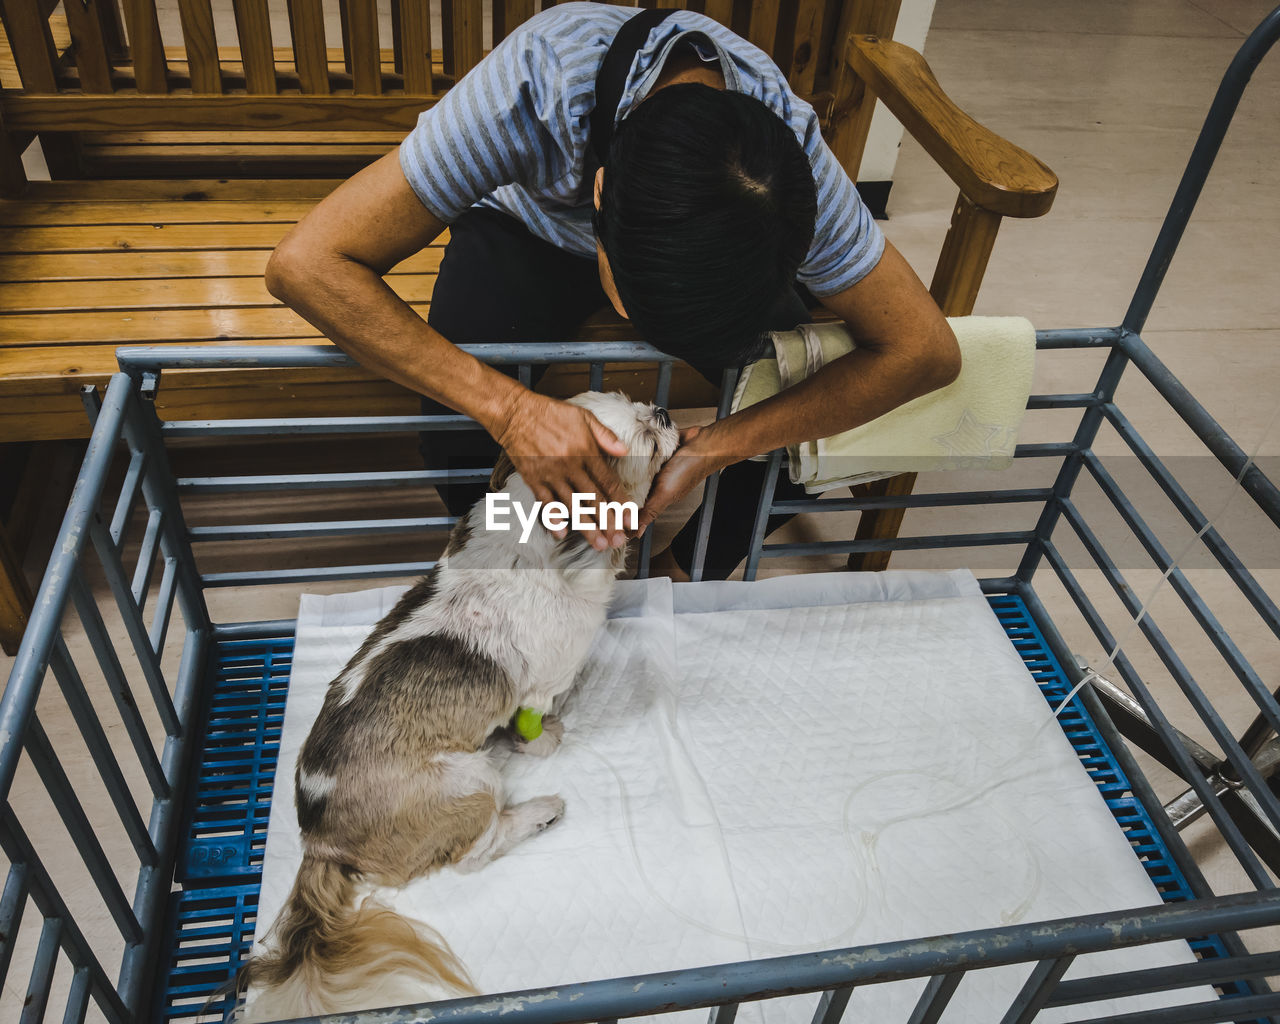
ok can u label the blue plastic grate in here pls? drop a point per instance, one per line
(211, 923)
(210, 932)
(1096, 756)
(226, 828)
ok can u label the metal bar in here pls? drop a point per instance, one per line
(118, 683)
(1255, 483)
(1183, 763)
(760, 524)
(17, 847)
(662, 393)
(80, 830)
(323, 481)
(595, 377)
(955, 540)
(142, 429)
(12, 904)
(20, 693)
(1216, 123)
(1046, 450)
(865, 965)
(1035, 992)
(725, 1013)
(315, 425)
(728, 382)
(1077, 401)
(1240, 1008)
(644, 556)
(1077, 337)
(1162, 979)
(1204, 708)
(1086, 433)
(128, 499)
(935, 997)
(140, 963)
(1213, 629)
(114, 571)
(164, 606)
(334, 572)
(1226, 557)
(138, 359)
(260, 630)
(78, 998)
(99, 746)
(945, 500)
(1139, 784)
(832, 1004)
(145, 565)
(42, 968)
(335, 528)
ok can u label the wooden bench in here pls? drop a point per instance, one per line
(178, 168)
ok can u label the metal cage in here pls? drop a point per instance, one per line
(192, 702)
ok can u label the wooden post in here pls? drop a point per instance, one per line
(13, 176)
(852, 103)
(15, 597)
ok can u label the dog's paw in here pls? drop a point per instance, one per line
(546, 743)
(545, 811)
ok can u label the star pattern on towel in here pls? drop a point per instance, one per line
(970, 438)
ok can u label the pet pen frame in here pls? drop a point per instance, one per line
(1233, 787)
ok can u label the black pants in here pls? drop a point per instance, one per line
(500, 283)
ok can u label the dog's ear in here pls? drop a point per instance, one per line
(503, 469)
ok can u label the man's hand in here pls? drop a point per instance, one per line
(696, 459)
(558, 449)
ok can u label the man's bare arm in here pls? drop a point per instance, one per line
(330, 267)
(905, 349)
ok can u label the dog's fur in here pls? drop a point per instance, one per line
(396, 777)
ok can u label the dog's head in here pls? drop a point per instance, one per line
(645, 429)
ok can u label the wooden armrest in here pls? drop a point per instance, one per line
(994, 173)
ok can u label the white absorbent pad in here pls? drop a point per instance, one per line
(758, 769)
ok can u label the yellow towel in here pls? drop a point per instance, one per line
(970, 424)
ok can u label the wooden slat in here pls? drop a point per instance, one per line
(361, 40)
(31, 44)
(720, 10)
(123, 328)
(201, 45)
(92, 62)
(804, 46)
(109, 15)
(311, 56)
(253, 27)
(179, 113)
(142, 237)
(15, 597)
(412, 22)
(18, 213)
(146, 47)
(56, 297)
(764, 23)
(463, 44)
(509, 15)
(111, 266)
(261, 190)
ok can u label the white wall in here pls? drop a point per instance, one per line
(886, 134)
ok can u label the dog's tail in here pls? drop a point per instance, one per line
(326, 956)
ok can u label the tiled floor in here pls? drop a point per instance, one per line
(1110, 96)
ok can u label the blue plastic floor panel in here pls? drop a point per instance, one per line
(226, 825)
(220, 864)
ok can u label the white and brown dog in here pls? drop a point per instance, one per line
(397, 776)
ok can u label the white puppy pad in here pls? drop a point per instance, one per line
(752, 770)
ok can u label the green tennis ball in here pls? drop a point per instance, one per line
(529, 723)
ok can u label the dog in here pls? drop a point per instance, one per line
(397, 777)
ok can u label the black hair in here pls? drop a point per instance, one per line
(706, 214)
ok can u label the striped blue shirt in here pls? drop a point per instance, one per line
(514, 134)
